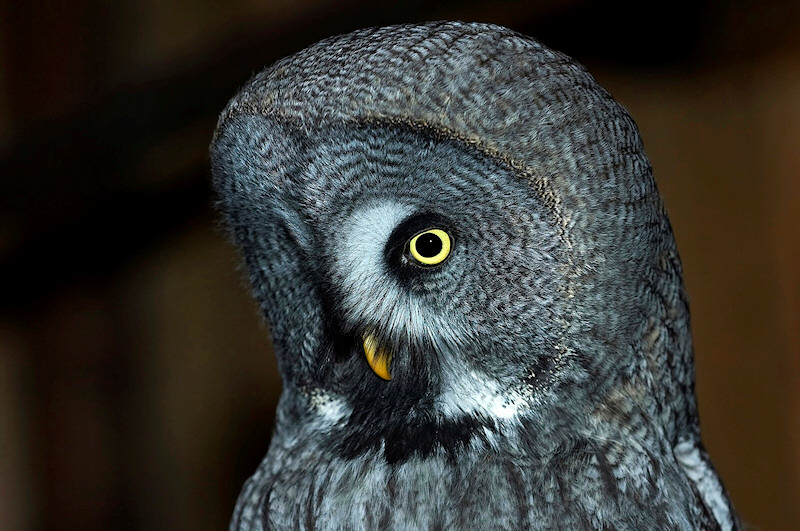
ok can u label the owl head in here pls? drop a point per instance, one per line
(452, 231)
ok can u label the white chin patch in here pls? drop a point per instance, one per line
(331, 410)
(468, 392)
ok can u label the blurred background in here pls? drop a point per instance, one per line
(137, 385)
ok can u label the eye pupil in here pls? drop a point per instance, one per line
(429, 245)
(430, 248)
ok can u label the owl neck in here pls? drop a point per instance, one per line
(351, 431)
(519, 477)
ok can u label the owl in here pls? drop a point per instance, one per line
(472, 288)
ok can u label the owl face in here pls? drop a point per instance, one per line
(423, 246)
(436, 276)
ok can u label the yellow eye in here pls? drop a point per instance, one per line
(430, 247)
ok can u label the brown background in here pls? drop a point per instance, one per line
(136, 381)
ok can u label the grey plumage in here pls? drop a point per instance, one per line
(542, 374)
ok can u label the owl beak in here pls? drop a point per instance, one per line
(378, 357)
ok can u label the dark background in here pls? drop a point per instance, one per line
(136, 380)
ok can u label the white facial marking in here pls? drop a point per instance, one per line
(361, 243)
(370, 294)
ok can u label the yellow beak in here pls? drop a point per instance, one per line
(378, 357)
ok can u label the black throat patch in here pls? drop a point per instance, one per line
(403, 437)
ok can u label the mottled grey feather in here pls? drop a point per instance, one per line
(542, 376)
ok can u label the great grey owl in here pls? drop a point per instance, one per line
(473, 292)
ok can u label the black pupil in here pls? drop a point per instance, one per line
(429, 245)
